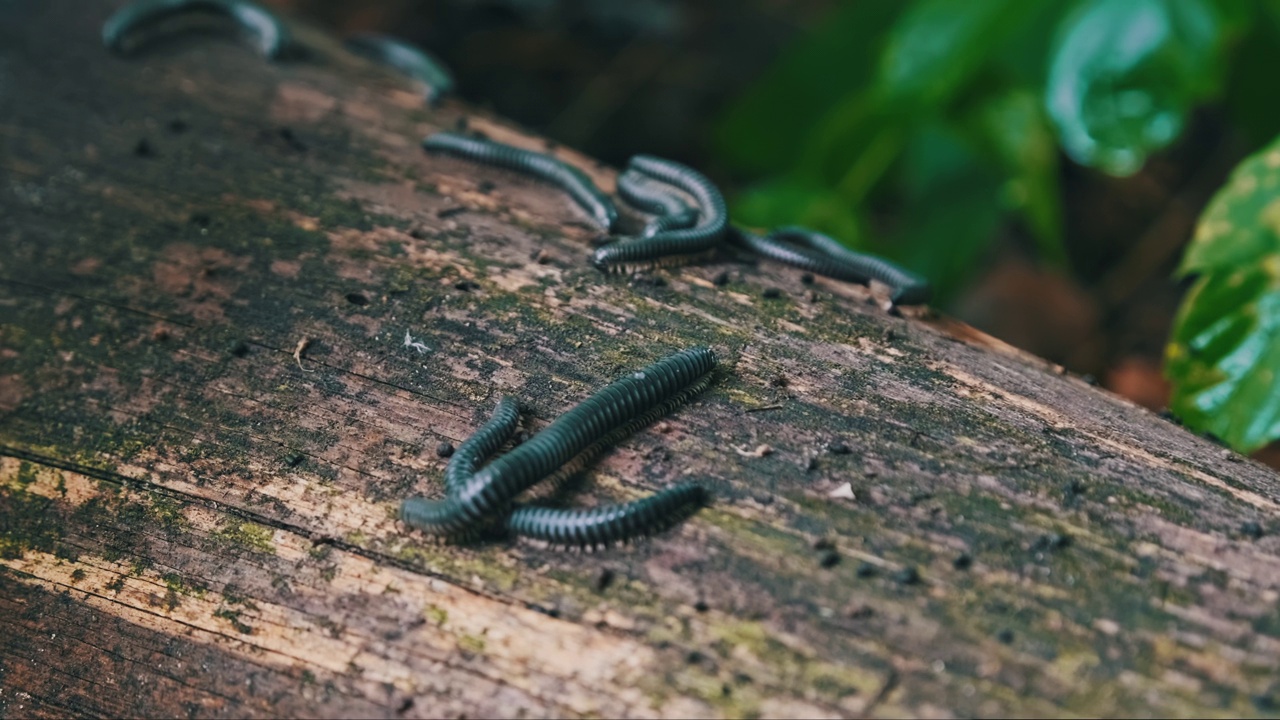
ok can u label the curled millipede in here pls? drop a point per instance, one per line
(676, 244)
(482, 444)
(824, 255)
(669, 210)
(544, 167)
(272, 36)
(477, 497)
(408, 59)
(441, 517)
(607, 524)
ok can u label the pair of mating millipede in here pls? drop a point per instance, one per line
(477, 497)
(273, 37)
(679, 232)
(675, 244)
(669, 211)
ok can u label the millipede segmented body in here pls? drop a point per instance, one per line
(441, 517)
(671, 246)
(544, 167)
(272, 35)
(824, 255)
(476, 497)
(408, 59)
(607, 524)
(670, 211)
(482, 444)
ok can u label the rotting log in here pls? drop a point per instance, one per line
(240, 311)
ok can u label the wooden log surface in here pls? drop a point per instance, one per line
(240, 309)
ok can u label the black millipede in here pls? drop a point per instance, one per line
(482, 444)
(477, 497)
(672, 246)
(669, 210)
(408, 59)
(544, 167)
(824, 255)
(607, 524)
(272, 35)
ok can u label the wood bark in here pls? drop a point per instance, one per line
(241, 310)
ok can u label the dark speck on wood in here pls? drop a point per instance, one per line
(907, 576)
(1252, 530)
(604, 580)
(1051, 542)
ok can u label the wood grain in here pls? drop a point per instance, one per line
(197, 518)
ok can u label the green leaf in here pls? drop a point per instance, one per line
(1241, 225)
(765, 129)
(1250, 93)
(938, 46)
(951, 211)
(1124, 75)
(1024, 57)
(795, 202)
(1013, 128)
(935, 52)
(1225, 350)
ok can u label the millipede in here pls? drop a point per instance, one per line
(272, 36)
(671, 246)
(824, 255)
(409, 59)
(607, 524)
(476, 497)
(539, 165)
(670, 211)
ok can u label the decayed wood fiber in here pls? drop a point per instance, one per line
(240, 311)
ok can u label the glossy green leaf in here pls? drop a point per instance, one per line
(1225, 351)
(1241, 225)
(1125, 73)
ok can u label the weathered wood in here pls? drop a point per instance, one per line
(197, 518)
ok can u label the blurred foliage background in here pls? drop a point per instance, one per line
(1043, 163)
